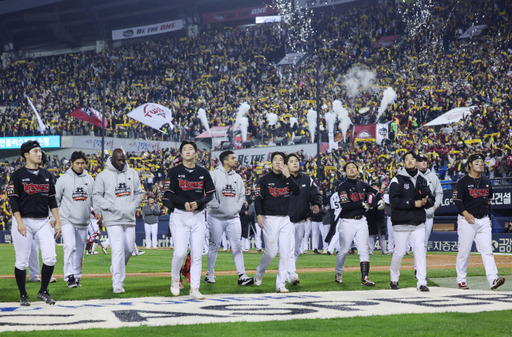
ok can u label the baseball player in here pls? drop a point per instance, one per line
(376, 224)
(318, 229)
(74, 197)
(472, 196)
(31, 193)
(299, 209)
(151, 211)
(190, 189)
(117, 194)
(272, 205)
(409, 196)
(223, 216)
(356, 198)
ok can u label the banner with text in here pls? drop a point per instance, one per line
(157, 28)
(365, 131)
(262, 154)
(130, 145)
(238, 14)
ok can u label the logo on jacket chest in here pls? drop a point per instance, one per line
(186, 185)
(122, 190)
(79, 194)
(476, 192)
(278, 191)
(355, 196)
(228, 191)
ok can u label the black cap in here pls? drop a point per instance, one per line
(422, 157)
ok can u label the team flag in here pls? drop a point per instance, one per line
(153, 115)
(88, 115)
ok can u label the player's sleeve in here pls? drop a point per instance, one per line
(458, 194)
(52, 201)
(13, 193)
(209, 190)
(292, 184)
(174, 187)
(396, 199)
(240, 193)
(315, 198)
(59, 189)
(214, 203)
(259, 191)
(137, 190)
(98, 195)
(438, 193)
(166, 200)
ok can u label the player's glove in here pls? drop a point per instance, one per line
(366, 206)
(381, 205)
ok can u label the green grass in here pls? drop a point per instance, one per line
(445, 324)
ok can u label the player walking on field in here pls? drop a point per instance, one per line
(190, 189)
(117, 195)
(355, 202)
(272, 205)
(472, 196)
(31, 193)
(299, 210)
(74, 196)
(223, 216)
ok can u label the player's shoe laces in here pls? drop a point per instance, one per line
(24, 301)
(338, 278)
(257, 280)
(497, 283)
(45, 296)
(282, 290)
(209, 279)
(394, 285)
(366, 282)
(463, 285)
(244, 280)
(423, 288)
(295, 281)
(72, 282)
(195, 294)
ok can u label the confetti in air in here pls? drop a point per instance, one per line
(296, 21)
(417, 15)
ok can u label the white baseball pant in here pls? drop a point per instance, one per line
(122, 244)
(371, 243)
(417, 237)
(188, 227)
(151, 234)
(296, 248)
(335, 240)
(233, 230)
(481, 233)
(278, 234)
(352, 230)
(257, 237)
(308, 227)
(74, 249)
(42, 232)
(33, 261)
(429, 225)
(391, 235)
(317, 232)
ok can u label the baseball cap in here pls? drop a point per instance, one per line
(422, 157)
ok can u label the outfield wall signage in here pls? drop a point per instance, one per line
(262, 154)
(157, 28)
(7, 143)
(130, 145)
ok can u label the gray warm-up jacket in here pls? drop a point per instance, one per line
(229, 194)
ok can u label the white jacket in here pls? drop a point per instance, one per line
(117, 195)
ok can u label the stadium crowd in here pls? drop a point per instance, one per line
(431, 70)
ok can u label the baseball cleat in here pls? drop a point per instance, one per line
(24, 301)
(282, 290)
(45, 296)
(295, 281)
(366, 282)
(35, 279)
(195, 294)
(497, 283)
(72, 282)
(53, 280)
(244, 280)
(423, 288)
(209, 279)
(338, 278)
(119, 290)
(463, 285)
(175, 288)
(394, 285)
(257, 280)
(316, 251)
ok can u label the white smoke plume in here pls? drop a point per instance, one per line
(204, 120)
(343, 117)
(358, 79)
(330, 120)
(271, 118)
(239, 124)
(244, 125)
(388, 97)
(311, 117)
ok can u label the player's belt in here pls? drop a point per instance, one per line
(480, 216)
(359, 217)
